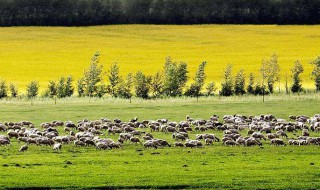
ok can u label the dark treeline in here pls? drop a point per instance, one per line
(99, 12)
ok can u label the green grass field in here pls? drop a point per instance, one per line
(134, 167)
(46, 53)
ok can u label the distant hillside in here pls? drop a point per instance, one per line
(102, 12)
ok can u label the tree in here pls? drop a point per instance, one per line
(270, 70)
(60, 88)
(227, 84)
(199, 79)
(125, 87)
(250, 88)
(175, 77)
(296, 71)
(80, 87)
(142, 83)
(239, 85)
(114, 78)
(51, 90)
(3, 89)
(264, 74)
(210, 88)
(32, 89)
(13, 91)
(91, 83)
(316, 73)
(69, 89)
(157, 84)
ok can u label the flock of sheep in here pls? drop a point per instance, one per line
(257, 130)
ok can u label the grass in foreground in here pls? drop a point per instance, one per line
(134, 167)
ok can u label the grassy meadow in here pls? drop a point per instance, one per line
(46, 53)
(135, 167)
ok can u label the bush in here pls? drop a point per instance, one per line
(3, 89)
(32, 89)
(142, 85)
(227, 85)
(13, 91)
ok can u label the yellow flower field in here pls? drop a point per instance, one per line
(46, 53)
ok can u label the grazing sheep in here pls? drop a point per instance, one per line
(178, 144)
(79, 143)
(258, 135)
(305, 133)
(230, 143)
(135, 140)
(57, 147)
(12, 134)
(23, 148)
(277, 142)
(252, 142)
(208, 141)
(282, 133)
(150, 144)
(272, 136)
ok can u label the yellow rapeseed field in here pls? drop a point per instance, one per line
(46, 53)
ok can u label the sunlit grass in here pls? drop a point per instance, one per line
(215, 166)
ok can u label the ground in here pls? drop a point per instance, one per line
(215, 166)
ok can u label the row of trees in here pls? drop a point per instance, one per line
(170, 82)
(98, 12)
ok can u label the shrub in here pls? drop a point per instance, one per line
(32, 89)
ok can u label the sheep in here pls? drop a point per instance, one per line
(178, 144)
(135, 140)
(252, 142)
(272, 135)
(150, 144)
(241, 141)
(277, 142)
(208, 141)
(230, 143)
(12, 134)
(305, 133)
(57, 147)
(23, 148)
(79, 143)
(258, 135)
(282, 133)
(293, 142)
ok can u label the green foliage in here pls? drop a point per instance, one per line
(13, 91)
(157, 84)
(125, 87)
(142, 85)
(239, 86)
(175, 77)
(250, 88)
(114, 78)
(195, 88)
(296, 71)
(210, 88)
(51, 90)
(227, 84)
(91, 84)
(32, 89)
(316, 73)
(3, 89)
(80, 87)
(68, 88)
(270, 72)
